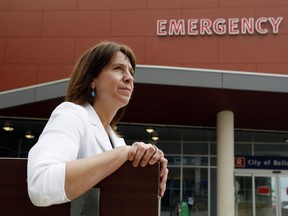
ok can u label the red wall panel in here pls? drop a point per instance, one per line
(181, 50)
(111, 5)
(51, 72)
(45, 38)
(140, 22)
(43, 4)
(4, 4)
(214, 13)
(249, 3)
(17, 76)
(76, 23)
(20, 23)
(258, 49)
(164, 4)
(280, 68)
(40, 50)
(2, 50)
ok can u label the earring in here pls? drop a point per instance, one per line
(93, 93)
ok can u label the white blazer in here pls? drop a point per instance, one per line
(72, 132)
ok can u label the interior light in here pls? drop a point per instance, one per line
(8, 128)
(29, 135)
(150, 130)
(155, 138)
(286, 140)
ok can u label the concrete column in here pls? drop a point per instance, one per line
(225, 164)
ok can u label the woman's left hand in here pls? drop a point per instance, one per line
(143, 154)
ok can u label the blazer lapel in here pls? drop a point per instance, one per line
(115, 139)
(99, 131)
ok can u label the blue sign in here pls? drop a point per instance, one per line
(259, 162)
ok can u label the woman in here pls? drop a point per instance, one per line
(79, 145)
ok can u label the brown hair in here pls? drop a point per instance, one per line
(89, 67)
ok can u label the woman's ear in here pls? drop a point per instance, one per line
(93, 83)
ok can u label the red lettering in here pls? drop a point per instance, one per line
(192, 27)
(161, 27)
(275, 23)
(219, 26)
(239, 162)
(177, 28)
(258, 25)
(233, 26)
(247, 26)
(205, 26)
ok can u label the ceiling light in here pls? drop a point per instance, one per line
(29, 136)
(286, 140)
(8, 128)
(150, 130)
(155, 138)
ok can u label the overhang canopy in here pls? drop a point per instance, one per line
(177, 96)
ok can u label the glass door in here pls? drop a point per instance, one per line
(261, 194)
(283, 194)
(265, 190)
(243, 196)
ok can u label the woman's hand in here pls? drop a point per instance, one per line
(143, 154)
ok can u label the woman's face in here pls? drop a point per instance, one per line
(114, 85)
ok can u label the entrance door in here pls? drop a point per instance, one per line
(261, 193)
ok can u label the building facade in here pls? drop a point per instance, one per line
(211, 80)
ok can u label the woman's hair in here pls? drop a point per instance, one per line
(89, 67)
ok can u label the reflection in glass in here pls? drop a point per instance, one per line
(271, 150)
(283, 184)
(173, 160)
(195, 190)
(195, 161)
(265, 196)
(243, 148)
(243, 196)
(172, 194)
(196, 148)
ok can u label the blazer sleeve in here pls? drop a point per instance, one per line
(58, 143)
